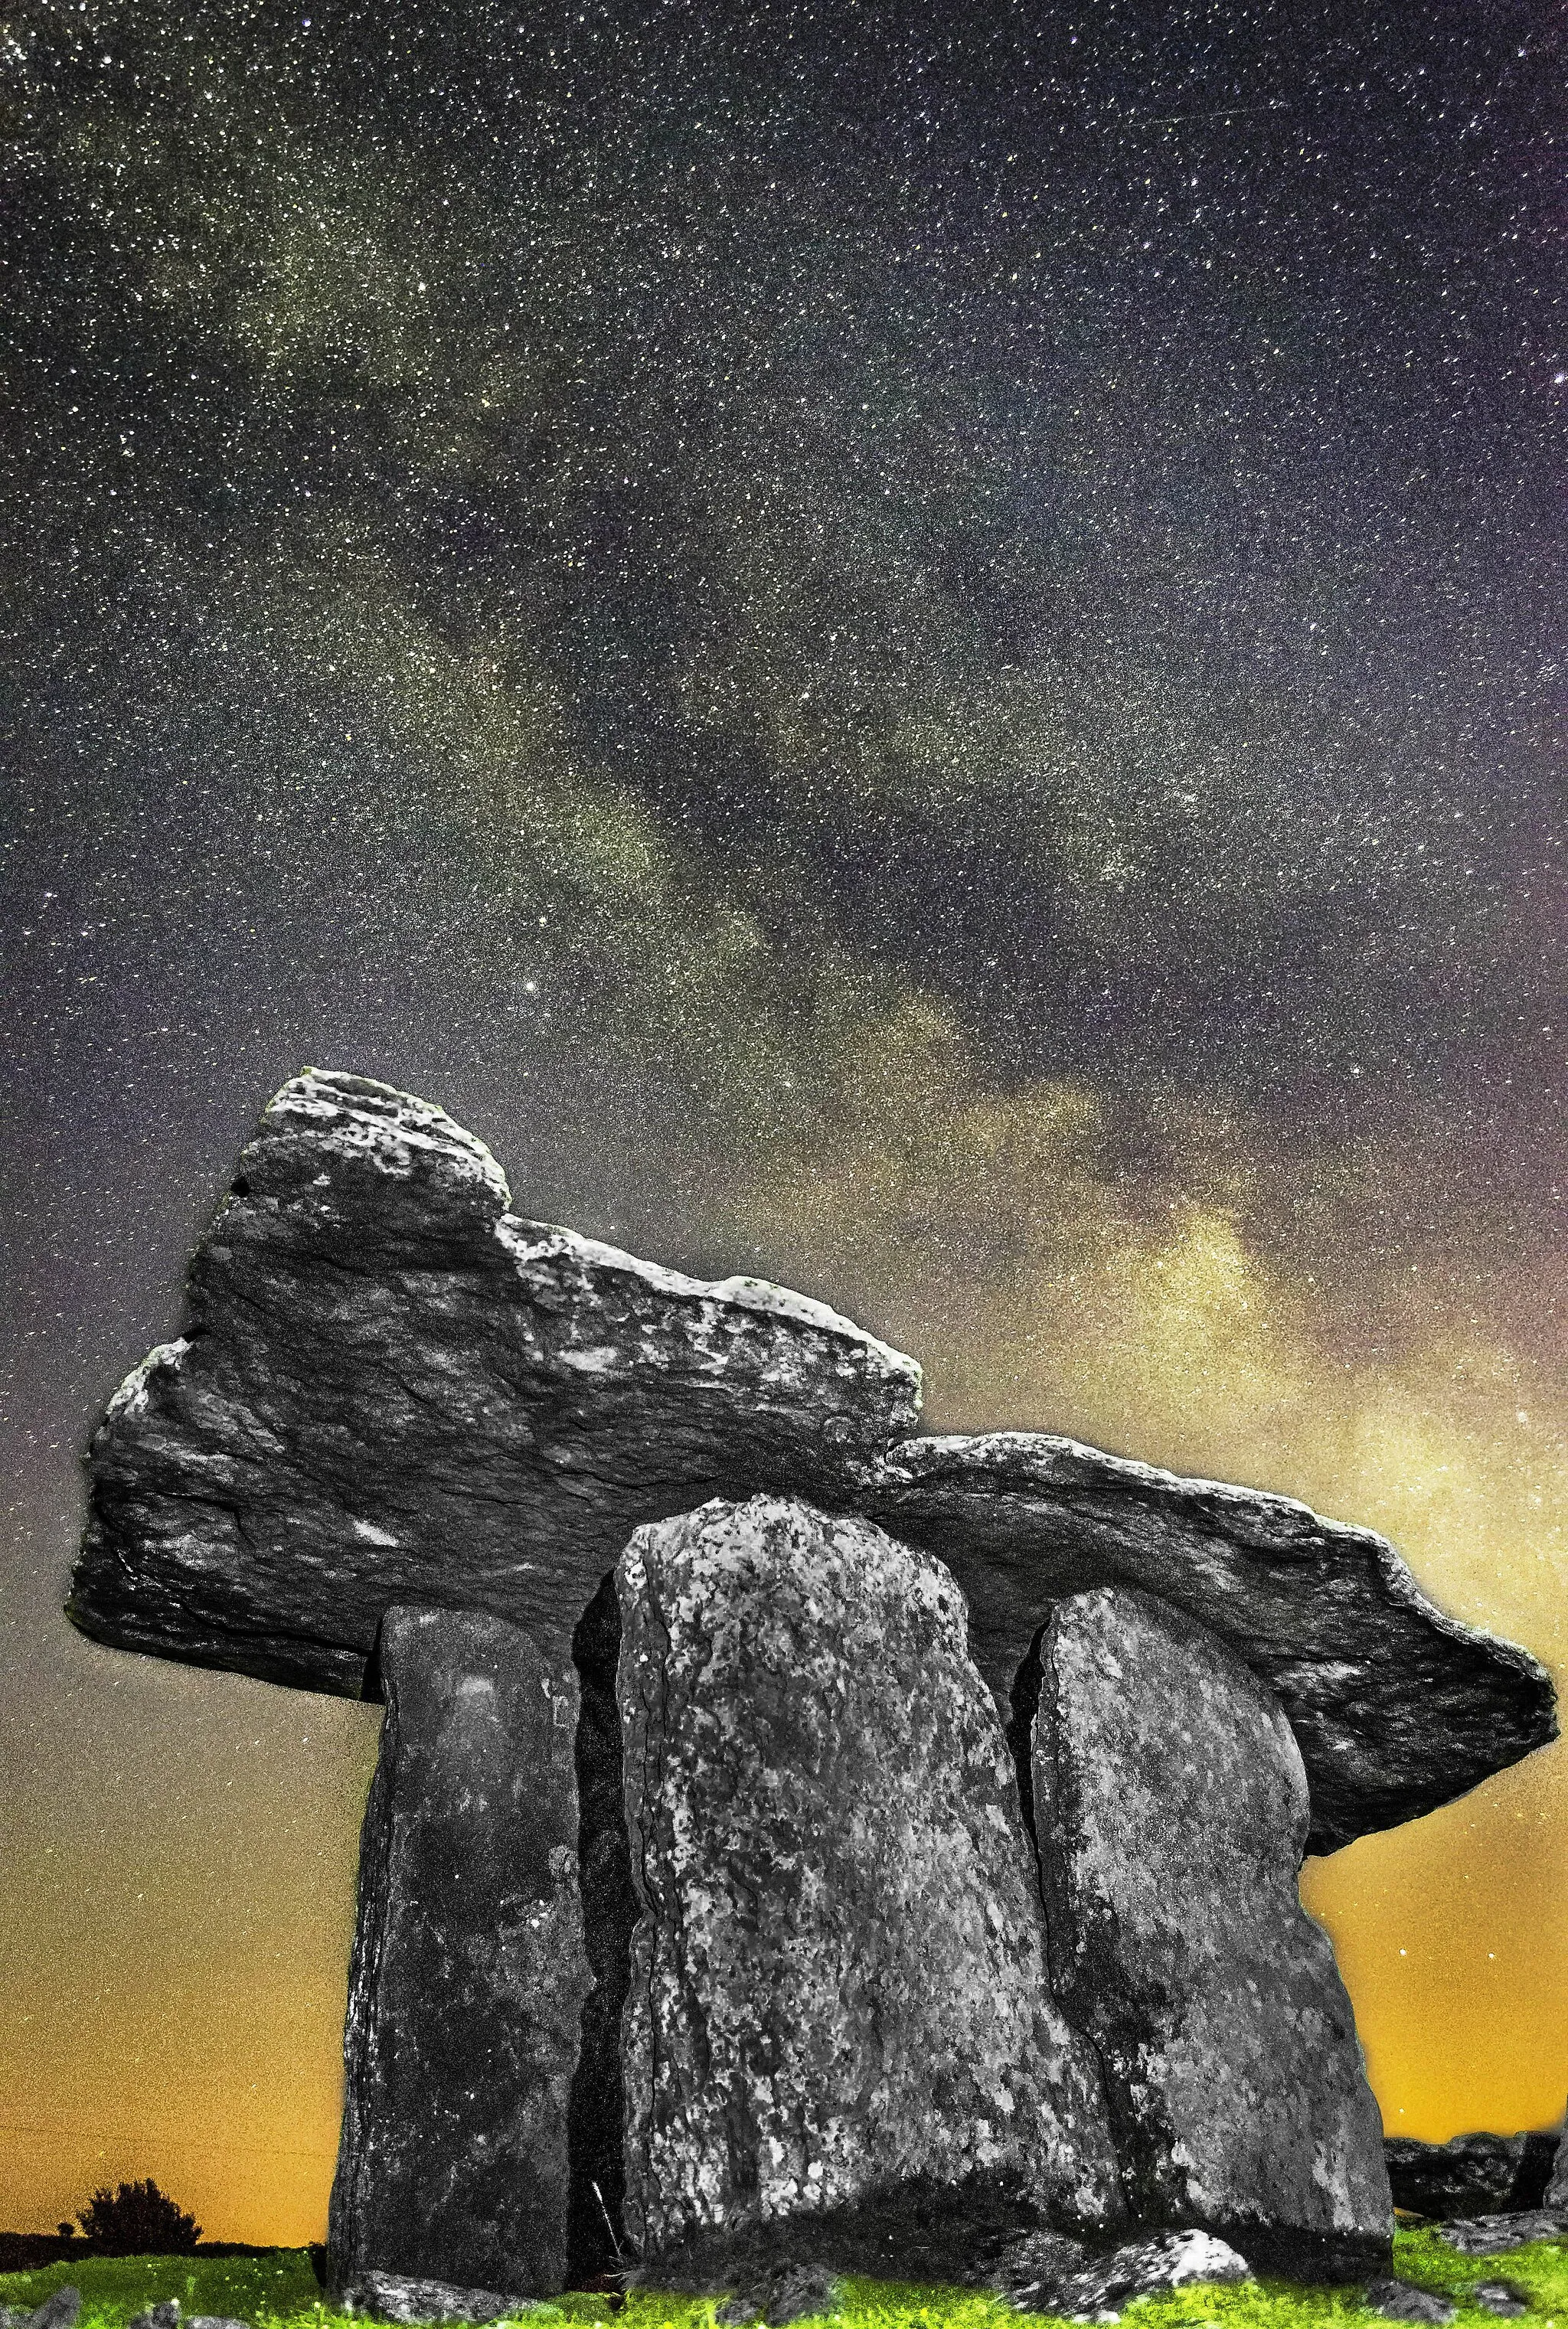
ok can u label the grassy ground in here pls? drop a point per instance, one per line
(280, 2292)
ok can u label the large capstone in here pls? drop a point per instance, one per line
(838, 2011)
(1397, 1706)
(1170, 1807)
(470, 1971)
(390, 1389)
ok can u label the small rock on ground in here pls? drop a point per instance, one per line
(1029, 2266)
(58, 2311)
(1501, 2297)
(398, 2296)
(1397, 2300)
(1490, 2235)
(165, 2315)
(1100, 2288)
(793, 2292)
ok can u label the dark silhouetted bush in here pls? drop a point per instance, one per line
(138, 2220)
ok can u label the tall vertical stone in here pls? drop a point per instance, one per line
(468, 1974)
(838, 2016)
(1170, 1807)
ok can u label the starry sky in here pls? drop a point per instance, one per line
(916, 650)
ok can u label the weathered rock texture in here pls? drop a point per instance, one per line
(1140, 2269)
(1471, 2175)
(1397, 1706)
(1047, 2272)
(395, 2296)
(469, 1972)
(790, 2292)
(837, 1991)
(1494, 2235)
(1556, 2192)
(390, 1389)
(1170, 1807)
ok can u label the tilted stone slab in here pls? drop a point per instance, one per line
(391, 1389)
(837, 1991)
(1397, 1706)
(1170, 1805)
(468, 1973)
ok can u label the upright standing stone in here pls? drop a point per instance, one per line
(1170, 1807)
(838, 2008)
(469, 1972)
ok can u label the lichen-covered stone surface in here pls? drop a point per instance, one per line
(1143, 2268)
(1397, 1706)
(837, 2002)
(470, 1972)
(1170, 1805)
(389, 1388)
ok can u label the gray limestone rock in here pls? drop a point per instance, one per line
(837, 2000)
(1494, 2235)
(390, 1389)
(1170, 1809)
(791, 2292)
(1399, 2300)
(1501, 2297)
(1139, 2268)
(1397, 1706)
(165, 2315)
(1029, 2268)
(401, 2298)
(214, 2320)
(1470, 2175)
(59, 2310)
(470, 1971)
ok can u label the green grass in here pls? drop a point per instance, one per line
(280, 2292)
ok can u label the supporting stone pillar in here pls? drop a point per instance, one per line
(1170, 1809)
(468, 1973)
(838, 2038)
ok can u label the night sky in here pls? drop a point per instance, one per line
(920, 657)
